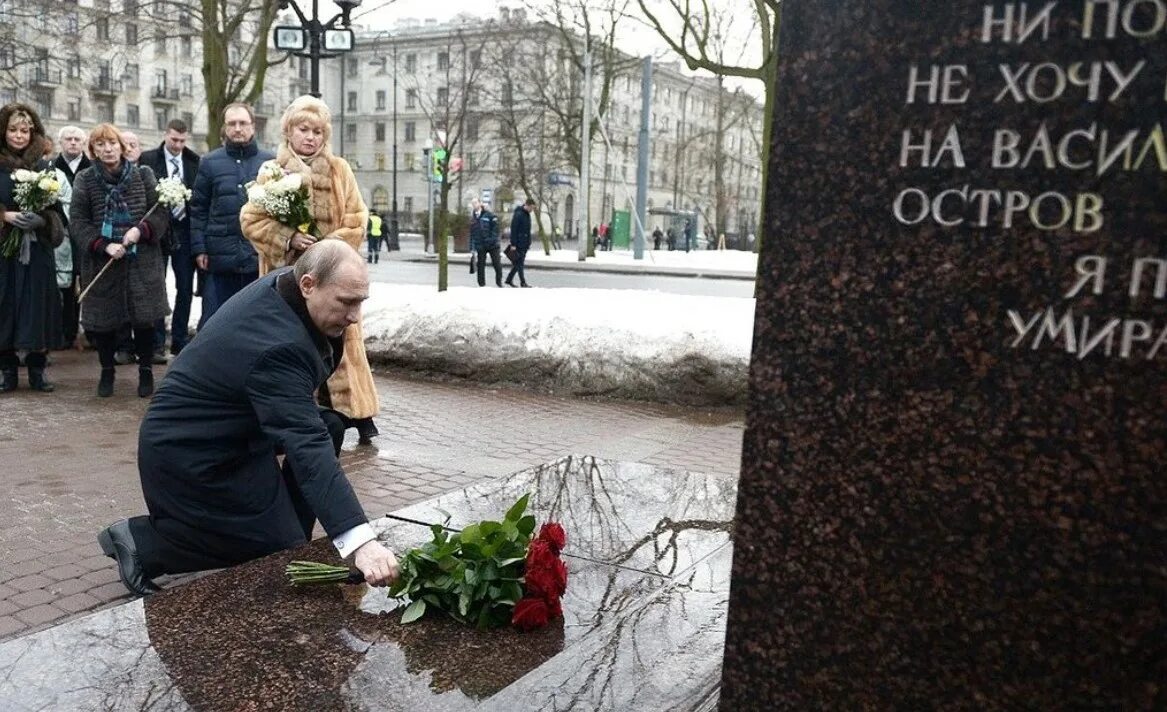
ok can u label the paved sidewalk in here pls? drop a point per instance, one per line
(67, 466)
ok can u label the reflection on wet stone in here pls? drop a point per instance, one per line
(642, 629)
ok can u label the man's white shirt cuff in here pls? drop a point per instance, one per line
(354, 539)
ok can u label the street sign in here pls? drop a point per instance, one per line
(560, 179)
(487, 196)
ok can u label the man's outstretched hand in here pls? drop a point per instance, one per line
(377, 563)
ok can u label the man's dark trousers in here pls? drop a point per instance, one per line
(494, 260)
(183, 265)
(221, 286)
(160, 553)
(520, 263)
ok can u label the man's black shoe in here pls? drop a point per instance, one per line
(524, 285)
(117, 543)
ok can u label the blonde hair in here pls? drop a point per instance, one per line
(105, 131)
(307, 109)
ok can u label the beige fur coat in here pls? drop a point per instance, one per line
(340, 214)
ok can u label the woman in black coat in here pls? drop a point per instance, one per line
(114, 229)
(30, 310)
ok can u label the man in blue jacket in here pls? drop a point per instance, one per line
(484, 239)
(521, 239)
(209, 444)
(220, 191)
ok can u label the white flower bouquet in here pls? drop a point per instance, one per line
(172, 193)
(283, 196)
(33, 191)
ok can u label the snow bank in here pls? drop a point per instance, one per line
(627, 344)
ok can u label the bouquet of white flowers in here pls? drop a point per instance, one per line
(172, 193)
(284, 196)
(33, 191)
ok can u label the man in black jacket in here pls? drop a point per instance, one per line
(521, 239)
(174, 159)
(238, 396)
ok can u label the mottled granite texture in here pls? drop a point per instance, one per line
(930, 517)
(643, 625)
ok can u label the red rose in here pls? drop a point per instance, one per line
(541, 582)
(559, 574)
(530, 613)
(552, 533)
(539, 555)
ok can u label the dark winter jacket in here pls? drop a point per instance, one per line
(241, 393)
(133, 289)
(483, 230)
(521, 228)
(158, 160)
(61, 164)
(219, 193)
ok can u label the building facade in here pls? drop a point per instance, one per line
(451, 85)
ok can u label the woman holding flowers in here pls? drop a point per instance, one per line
(307, 194)
(31, 227)
(119, 236)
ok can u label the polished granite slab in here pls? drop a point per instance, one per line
(643, 624)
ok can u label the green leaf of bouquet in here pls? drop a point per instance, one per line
(489, 528)
(471, 534)
(439, 533)
(414, 611)
(510, 529)
(464, 603)
(503, 563)
(489, 572)
(472, 550)
(470, 576)
(518, 508)
(526, 525)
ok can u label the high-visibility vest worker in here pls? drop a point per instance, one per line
(375, 225)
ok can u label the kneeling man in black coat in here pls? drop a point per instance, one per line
(240, 394)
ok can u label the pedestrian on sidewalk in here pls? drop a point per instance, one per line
(210, 443)
(484, 236)
(108, 223)
(721, 241)
(657, 235)
(374, 228)
(339, 213)
(521, 239)
(30, 319)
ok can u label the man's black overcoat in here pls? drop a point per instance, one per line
(238, 394)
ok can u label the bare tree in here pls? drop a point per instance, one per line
(455, 111)
(699, 33)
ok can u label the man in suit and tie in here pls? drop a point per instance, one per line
(173, 158)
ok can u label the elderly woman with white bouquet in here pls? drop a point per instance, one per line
(307, 194)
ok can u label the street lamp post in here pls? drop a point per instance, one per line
(315, 40)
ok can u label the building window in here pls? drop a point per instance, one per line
(186, 84)
(379, 158)
(407, 204)
(187, 48)
(508, 95)
(351, 64)
(133, 118)
(380, 100)
(159, 41)
(74, 108)
(350, 133)
(70, 24)
(443, 61)
(443, 96)
(352, 101)
(160, 82)
(161, 118)
(74, 67)
(7, 56)
(379, 131)
(475, 58)
(410, 163)
(410, 98)
(471, 129)
(104, 112)
(101, 27)
(411, 62)
(188, 119)
(260, 128)
(130, 8)
(131, 33)
(472, 96)
(43, 101)
(410, 131)
(131, 76)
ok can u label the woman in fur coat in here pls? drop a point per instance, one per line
(339, 213)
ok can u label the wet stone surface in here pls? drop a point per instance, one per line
(643, 624)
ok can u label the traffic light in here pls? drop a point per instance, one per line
(439, 159)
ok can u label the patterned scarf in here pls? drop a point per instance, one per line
(117, 212)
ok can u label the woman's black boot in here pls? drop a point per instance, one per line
(145, 382)
(105, 385)
(36, 373)
(8, 371)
